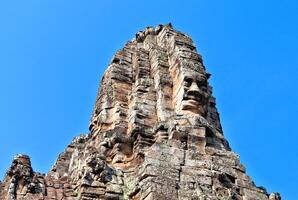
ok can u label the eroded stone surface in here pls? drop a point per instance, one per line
(155, 133)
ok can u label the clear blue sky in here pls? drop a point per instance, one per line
(53, 54)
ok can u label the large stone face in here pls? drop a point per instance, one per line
(155, 133)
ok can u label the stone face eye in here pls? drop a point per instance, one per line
(202, 85)
(187, 82)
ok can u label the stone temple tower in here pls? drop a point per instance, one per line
(155, 134)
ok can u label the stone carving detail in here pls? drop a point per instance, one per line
(21, 181)
(154, 133)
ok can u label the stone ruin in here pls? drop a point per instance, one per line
(155, 134)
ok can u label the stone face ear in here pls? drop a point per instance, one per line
(208, 75)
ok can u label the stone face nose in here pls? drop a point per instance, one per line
(193, 89)
(194, 86)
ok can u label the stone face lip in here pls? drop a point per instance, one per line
(155, 133)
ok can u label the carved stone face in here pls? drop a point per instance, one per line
(195, 96)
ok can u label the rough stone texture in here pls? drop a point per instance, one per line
(155, 133)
